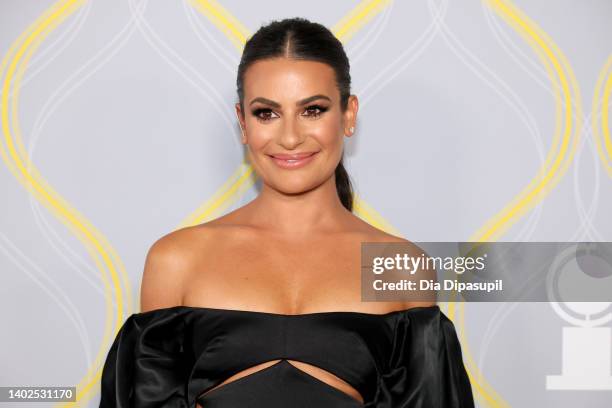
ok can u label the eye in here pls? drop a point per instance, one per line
(264, 114)
(314, 111)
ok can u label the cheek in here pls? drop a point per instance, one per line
(259, 135)
(329, 136)
(326, 129)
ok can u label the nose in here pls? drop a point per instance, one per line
(290, 136)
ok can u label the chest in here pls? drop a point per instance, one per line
(297, 276)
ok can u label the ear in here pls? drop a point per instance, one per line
(350, 115)
(241, 122)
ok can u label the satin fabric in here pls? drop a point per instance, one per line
(170, 357)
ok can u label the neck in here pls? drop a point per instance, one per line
(316, 211)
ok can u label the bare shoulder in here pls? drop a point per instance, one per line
(167, 266)
(414, 250)
(373, 234)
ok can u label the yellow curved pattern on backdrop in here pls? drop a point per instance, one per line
(567, 95)
(601, 101)
(17, 161)
(357, 18)
(224, 21)
(235, 186)
(243, 177)
(556, 63)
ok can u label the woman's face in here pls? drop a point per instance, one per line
(292, 122)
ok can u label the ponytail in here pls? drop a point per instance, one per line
(343, 187)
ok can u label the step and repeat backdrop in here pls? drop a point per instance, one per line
(479, 121)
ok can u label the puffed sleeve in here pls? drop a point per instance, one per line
(148, 364)
(426, 368)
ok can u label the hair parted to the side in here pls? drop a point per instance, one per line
(299, 38)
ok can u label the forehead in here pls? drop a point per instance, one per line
(288, 79)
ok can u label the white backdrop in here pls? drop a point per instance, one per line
(118, 127)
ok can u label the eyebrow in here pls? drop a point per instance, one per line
(298, 103)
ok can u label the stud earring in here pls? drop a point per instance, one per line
(351, 129)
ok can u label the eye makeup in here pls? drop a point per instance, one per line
(311, 111)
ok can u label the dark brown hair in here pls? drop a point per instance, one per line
(299, 38)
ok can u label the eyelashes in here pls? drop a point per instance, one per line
(263, 114)
(311, 111)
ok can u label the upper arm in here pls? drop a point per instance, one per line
(428, 274)
(164, 273)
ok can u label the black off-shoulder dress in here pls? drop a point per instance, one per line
(170, 357)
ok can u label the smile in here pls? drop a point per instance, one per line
(293, 161)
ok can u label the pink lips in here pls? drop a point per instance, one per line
(293, 161)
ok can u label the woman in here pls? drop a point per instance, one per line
(261, 307)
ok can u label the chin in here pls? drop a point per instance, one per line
(297, 187)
